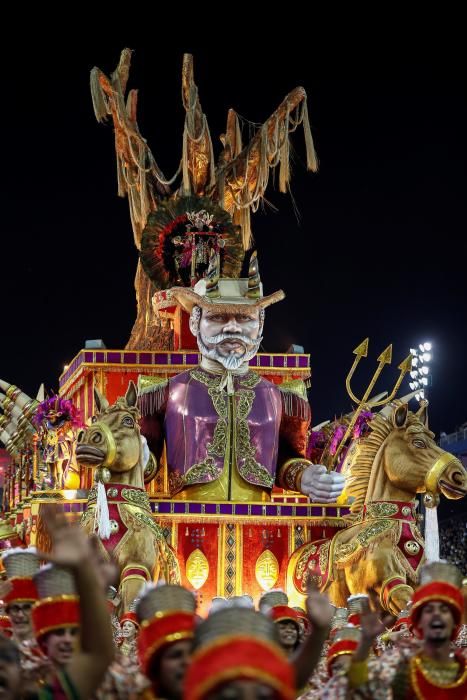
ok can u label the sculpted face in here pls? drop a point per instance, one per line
(228, 338)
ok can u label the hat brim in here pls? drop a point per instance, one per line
(188, 299)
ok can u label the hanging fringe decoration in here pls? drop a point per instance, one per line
(311, 157)
(284, 155)
(198, 154)
(185, 169)
(238, 146)
(101, 515)
(152, 398)
(242, 218)
(431, 534)
(246, 177)
(99, 102)
(294, 406)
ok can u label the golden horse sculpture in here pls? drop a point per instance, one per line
(113, 445)
(382, 549)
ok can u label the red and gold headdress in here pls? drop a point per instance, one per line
(20, 566)
(301, 614)
(345, 642)
(58, 604)
(167, 615)
(282, 613)
(439, 581)
(235, 644)
(130, 617)
(272, 598)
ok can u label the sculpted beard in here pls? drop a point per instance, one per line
(235, 359)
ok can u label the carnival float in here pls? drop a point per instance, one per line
(189, 452)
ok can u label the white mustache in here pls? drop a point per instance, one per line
(216, 339)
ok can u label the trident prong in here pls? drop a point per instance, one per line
(359, 352)
(384, 359)
(405, 366)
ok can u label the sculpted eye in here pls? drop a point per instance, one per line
(128, 422)
(420, 444)
(94, 419)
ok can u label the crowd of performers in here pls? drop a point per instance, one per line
(60, 637)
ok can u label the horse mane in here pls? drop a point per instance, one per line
(366, 449)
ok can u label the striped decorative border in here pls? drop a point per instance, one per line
(175, 361)
(275, 511)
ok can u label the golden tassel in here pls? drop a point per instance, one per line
(311, 157)
(284, 156)
(185, 170)
(120, 179)
(98, 97)
(212, 170)
(221, 187)
(238, 138)
(241, 217)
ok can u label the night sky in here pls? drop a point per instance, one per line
(380, 248)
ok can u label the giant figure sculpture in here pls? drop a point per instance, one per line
(231, 434)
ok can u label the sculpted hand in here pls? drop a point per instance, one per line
(144, 450)
(320, 485)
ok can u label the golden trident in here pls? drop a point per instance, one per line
(384, 359)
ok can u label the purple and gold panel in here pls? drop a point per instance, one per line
(173, 362)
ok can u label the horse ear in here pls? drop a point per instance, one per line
(131, 395)
(400, 415)
(100, 401)
(422, 413)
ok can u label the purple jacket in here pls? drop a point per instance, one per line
(203, 425)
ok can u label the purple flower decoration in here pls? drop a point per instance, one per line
(317, 439)
(56, 407)
(337, 436)
(361, 424)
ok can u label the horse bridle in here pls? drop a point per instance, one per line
(110, 442)
(437, 470)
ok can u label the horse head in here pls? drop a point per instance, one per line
(399, 458)
(113, 438)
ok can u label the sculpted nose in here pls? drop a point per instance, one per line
(96, 438)
(231, 326)
(459, 478)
